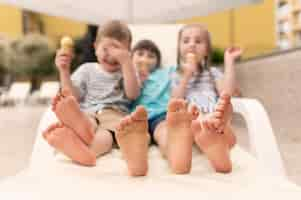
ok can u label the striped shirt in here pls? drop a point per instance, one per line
(201, 88)
(99, 89)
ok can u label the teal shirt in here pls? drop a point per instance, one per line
(155, 93)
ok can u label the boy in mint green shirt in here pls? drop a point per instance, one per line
(156, 81)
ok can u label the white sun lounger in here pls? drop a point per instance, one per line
(17, 93)
(261, 176)
(46, 92)
(51, 177)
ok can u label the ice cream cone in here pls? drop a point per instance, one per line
(67, 44)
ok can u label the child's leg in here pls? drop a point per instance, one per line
(179, 136)
(66, 141)
(160, 137)
(214, 136)
(68, 112)
(133, 139)
(102, 143)
(160, 133)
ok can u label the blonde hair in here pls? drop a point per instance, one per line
(207, 61)
(114, 29)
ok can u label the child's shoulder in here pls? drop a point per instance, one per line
(166, 69)
(163, 72)
(89, 65)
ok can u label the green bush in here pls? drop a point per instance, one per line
(217, 56)
(5, 52)
(32, 56)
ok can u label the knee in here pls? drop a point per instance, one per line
(108, 145)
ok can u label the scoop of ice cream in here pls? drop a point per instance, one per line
(67, 44)
(191, 58)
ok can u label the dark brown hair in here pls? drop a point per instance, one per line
(149, 46)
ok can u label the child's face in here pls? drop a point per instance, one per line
(102, 51)
(193, 40)
(144, 61)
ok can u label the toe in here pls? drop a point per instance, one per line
(56, 125)
(193, 111)
(210, 125)
(225, 96)
(60, 125)
(204, 124)
(185, 105)
(217, 123)
(122, 124)
(174, 105)
(220, 107)
(66, 92)
(139, 114)
(50, 128)
(196, 126)
(54, 102)
(46, 134)
(125, 122)
(217, 114)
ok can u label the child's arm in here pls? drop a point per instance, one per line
(228, 84)
(179, 90)
(63, 61)
(130, 79)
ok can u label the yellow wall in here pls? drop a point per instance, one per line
(253, 27)
(10, 21)
(56, 27)
(218, 25)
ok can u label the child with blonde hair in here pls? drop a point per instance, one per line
(200, 110)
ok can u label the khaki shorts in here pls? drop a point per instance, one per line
(108, 119)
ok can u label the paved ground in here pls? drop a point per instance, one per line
(275, 81)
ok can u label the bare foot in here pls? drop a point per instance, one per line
(214, 145)
(66, 141)
(133, 139)
(179, 136)
(223, 112)
(193, 109)
(68, 112)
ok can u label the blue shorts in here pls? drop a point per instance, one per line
(154, 122)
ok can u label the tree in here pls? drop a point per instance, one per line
(5, 55)
(32, 57)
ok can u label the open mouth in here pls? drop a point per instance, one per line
(110, 61)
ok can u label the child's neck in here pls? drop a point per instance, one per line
(106, 68)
